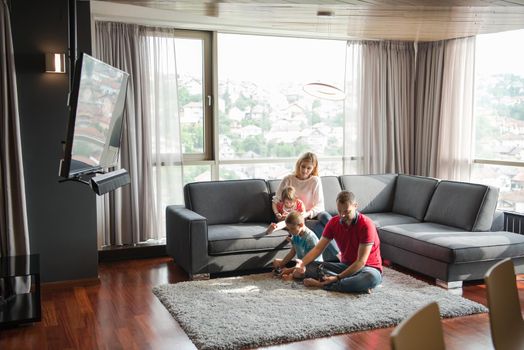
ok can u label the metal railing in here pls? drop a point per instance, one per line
(514, 222)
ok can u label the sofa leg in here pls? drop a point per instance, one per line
(199, 276)
(448, 284)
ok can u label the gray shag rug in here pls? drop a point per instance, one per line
(261, 310)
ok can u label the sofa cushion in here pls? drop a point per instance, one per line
(450, 245)
(228, 202)
(235, 238)
(487, 211)
(386, 219)
(412, 195)
(456, 204)
(374, 192)
(273, 186)
(331, 188)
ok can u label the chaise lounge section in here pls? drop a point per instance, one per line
(443, 229)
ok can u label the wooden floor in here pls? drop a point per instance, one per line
(122, 313)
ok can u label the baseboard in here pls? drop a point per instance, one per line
(84, 282)
(116, 253)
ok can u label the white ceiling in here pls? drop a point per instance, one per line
(424, 20)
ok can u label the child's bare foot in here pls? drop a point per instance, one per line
(287, 277)
(311, 282)
(271, 228)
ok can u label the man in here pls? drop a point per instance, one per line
(360, 269)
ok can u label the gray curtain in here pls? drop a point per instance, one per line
(380, 110)
(151, 149)
(14, 239)
(430, 64)
(410, 107)
(121, 212)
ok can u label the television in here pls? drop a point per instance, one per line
(96, 106)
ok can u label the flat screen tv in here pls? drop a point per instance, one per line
(96, 106)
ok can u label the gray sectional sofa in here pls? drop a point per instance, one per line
(443, 229)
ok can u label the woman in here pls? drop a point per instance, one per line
(308, 188)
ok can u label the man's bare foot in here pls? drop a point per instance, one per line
(311, 282)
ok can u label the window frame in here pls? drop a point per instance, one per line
(207, 94)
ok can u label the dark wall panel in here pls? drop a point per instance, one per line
(62, 216)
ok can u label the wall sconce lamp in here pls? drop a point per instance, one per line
(55, 63)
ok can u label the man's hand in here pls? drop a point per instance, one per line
(329, 280)
(287, 270)
(279, 216)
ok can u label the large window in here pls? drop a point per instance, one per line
(499, 113)
(265, 119)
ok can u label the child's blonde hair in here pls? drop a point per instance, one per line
(294, 217)
(308, 157)
(288, 193)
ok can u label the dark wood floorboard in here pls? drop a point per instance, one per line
(122, 313)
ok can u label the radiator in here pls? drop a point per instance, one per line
(514, 222)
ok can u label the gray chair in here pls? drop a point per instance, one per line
(422, 330)
(505, 318)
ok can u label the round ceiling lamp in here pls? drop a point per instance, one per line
(324, 91)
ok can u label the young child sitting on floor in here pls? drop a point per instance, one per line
(288, 203)
(302, 240)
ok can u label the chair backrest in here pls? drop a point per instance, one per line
(422, 330)
(504, 307)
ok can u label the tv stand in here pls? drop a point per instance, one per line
(101, 182)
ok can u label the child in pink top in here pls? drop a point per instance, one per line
(287, 204)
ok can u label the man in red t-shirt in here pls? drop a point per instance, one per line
(360, 269)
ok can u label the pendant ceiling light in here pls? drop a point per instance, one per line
(324, 90)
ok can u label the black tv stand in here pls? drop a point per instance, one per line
(82, 178)
(102, 182)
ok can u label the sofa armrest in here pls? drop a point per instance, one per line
(186, 238)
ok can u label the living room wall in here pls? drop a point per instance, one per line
(61, 216)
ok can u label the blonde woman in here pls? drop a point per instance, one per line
(308, 188)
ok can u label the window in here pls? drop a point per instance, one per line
(499, 115)
(265, 119)
(193, 63)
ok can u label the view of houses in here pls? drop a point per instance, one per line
(258, 123)
(499, 112)
(261, 123)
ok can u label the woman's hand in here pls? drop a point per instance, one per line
(279, 216)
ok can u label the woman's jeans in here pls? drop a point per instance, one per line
(331, 251)
(361, 281)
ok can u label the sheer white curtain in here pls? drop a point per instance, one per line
(456, 125)
(161, 104)
(379, 106)
(444, 105)
(151, 148)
